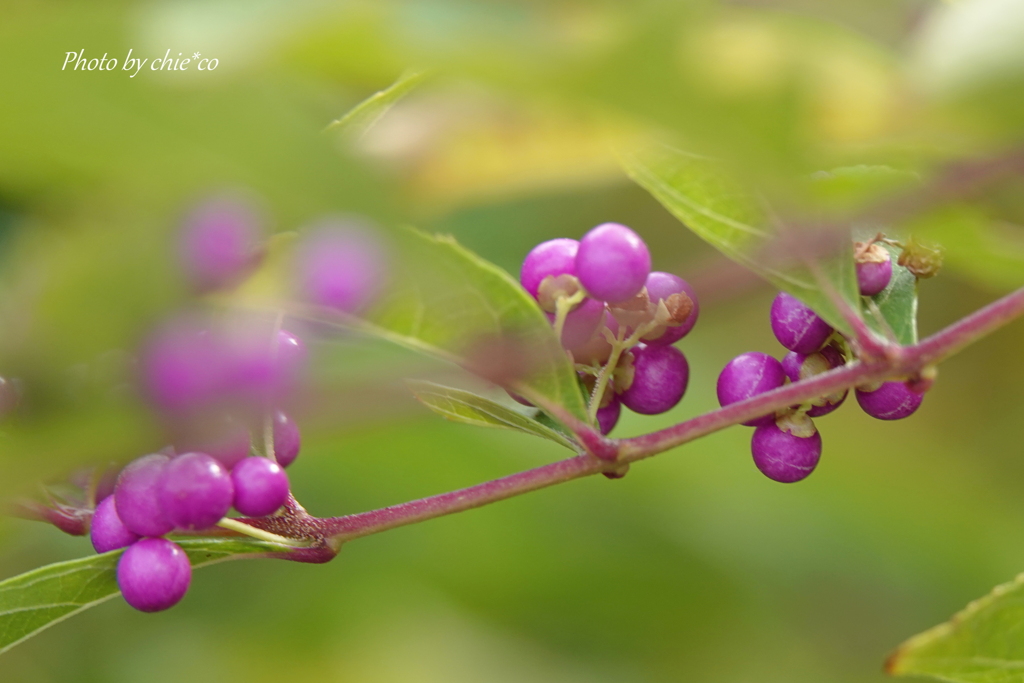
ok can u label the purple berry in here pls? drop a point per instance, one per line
(788, 450)
(261, 486)
(107, 531)
(750, 374)
(153, 574)
(674, 291)
(891, 401)
(581, 323)
(341, 265)
(136, 496)
(195, 491)
(874, 268)
(608, 416)
(612, 263)
(183, 366)
(660, 375)
(597, 350)
(797, 327)
(552, 258)
(286, 439)
(261, 365)
(220, 243)
(799, 366)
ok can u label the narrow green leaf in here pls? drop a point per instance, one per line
(980, 644)
(447, 302)
(361, 118)
(896, 304)
(36, 600)
(698, 192)
(466, 407)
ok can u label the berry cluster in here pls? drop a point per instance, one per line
(162, 493)
(786, 445)
(616, 318)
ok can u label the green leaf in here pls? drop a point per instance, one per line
(367, 113)
(447, 302)
(36, 600)
(896, 305)
(466, 407)
(980, 644)
(699, 192)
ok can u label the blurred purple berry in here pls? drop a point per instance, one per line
(153, 574)
(608, 416)
(663, 287)
(783, 455)
(195, 491)
(799, 366)
(750, 374)
(183, 366)
(581, 323)
(261, 486)
(136, 496)
(287, 440)
(660, 375)
(552, 258)
(341, 264)
(612, 263)
(107, 531)
(262, 366)
(891, 401)
(220, 243)
(797, 327)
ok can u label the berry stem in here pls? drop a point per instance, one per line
(618, 346)
(563, 306)
(248, 530)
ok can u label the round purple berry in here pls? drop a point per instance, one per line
(220, 243)
(107, 531)
(799, 366)
(788, 450)
(660, 375)
(874, 268)
(341, 264)
(890, 401)
(183, 366)
(750, 374)
(612, 263)
(548, 259)
(262, 364)
(136, 496)
(287, 440)
(608, 416)
(797, 327)
(153, 574)
(680, 303)
(581, 323)
(261, 486)
(195, 491)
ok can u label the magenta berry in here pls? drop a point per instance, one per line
(195, 491)
(548, 259)
(612, 263)
(890, 401)
(261, 364)
(786, 450)
(799, 366)
(287, 440)
(581, 324)
(874, 268)
(261, 486)
(678, 297)
(608, 416)
(153, 574)
(107, 532)
(136, 496)
(220, 243)
(660, 375)
(750, 374)
(796, 326)
(183, 366)
(341, 264)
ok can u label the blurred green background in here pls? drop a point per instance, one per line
(692, 568)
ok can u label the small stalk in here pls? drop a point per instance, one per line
(248, 530)
(564, 306)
